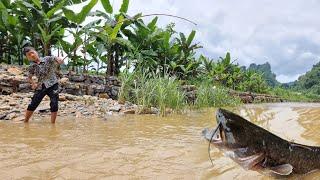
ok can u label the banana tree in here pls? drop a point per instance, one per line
(96, 51)
(80, 35)
(115, 46)
(13, 38)
(145, 39)
(186, 48)
(110, 35)
(42, 20)
(188, 65)
(71, 50)
(253, 82)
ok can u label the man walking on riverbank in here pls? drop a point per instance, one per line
(45, 70)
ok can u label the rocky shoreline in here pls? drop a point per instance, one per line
(80, 96)
(13, 106)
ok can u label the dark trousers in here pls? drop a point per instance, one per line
(52, 92)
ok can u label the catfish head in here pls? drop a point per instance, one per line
(243, 141)
(232, 132)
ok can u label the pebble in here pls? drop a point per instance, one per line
(5, 108)
(129, 111)
(10, 116)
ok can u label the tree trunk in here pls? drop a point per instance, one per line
(85, 54)
(47, 50)
(98, 66)
(74, 60)
(9, 57)
(20, 57)
(110, 66)
(117, 63)
(1, 52)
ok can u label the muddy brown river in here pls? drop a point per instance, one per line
(142, 146)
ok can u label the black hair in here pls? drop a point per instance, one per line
(27, 49)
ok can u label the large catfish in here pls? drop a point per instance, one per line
(255, 148)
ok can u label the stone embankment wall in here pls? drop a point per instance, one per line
(246, 97)
(13, 79)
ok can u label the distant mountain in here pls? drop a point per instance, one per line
(268, 75)
(309, 81)
(288, 84)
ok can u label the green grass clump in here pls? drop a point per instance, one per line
(214, 96)
(152, 91)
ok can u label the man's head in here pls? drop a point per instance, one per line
(31, 54)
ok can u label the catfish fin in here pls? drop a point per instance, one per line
(248, 162)
(283, 169)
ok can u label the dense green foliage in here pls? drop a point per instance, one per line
(294, 95)
(310, 81)
(224, 73)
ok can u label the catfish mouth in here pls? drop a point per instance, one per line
(215, 136)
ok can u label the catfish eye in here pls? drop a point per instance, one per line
(227, 129)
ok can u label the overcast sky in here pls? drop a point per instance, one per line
(286, 33)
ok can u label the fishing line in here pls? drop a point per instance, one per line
(209, 146)
(170, 15)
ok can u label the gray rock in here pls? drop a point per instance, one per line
(129, 111)
(77, 78)
(87, 113)
(3, 116)
(112, 78)
(99, 89)
(10, 116)
(154, 110)
(115, 108)
(43, 110)
(17, 119)
(5, 108)
(24, 87)
(12, 103)
(90, 90)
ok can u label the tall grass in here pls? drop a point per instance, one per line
(149, 90)
(152, 91)
(167, 94)
(214, 96)
(126, 78)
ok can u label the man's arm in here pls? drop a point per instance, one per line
(33, 84)
(59, 60)
(30, 75)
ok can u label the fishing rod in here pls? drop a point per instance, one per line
(209, 146)
(136, 18)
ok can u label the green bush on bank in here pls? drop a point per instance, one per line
(165, 93)
(152, 91)
(294, 96)
(214, 96)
